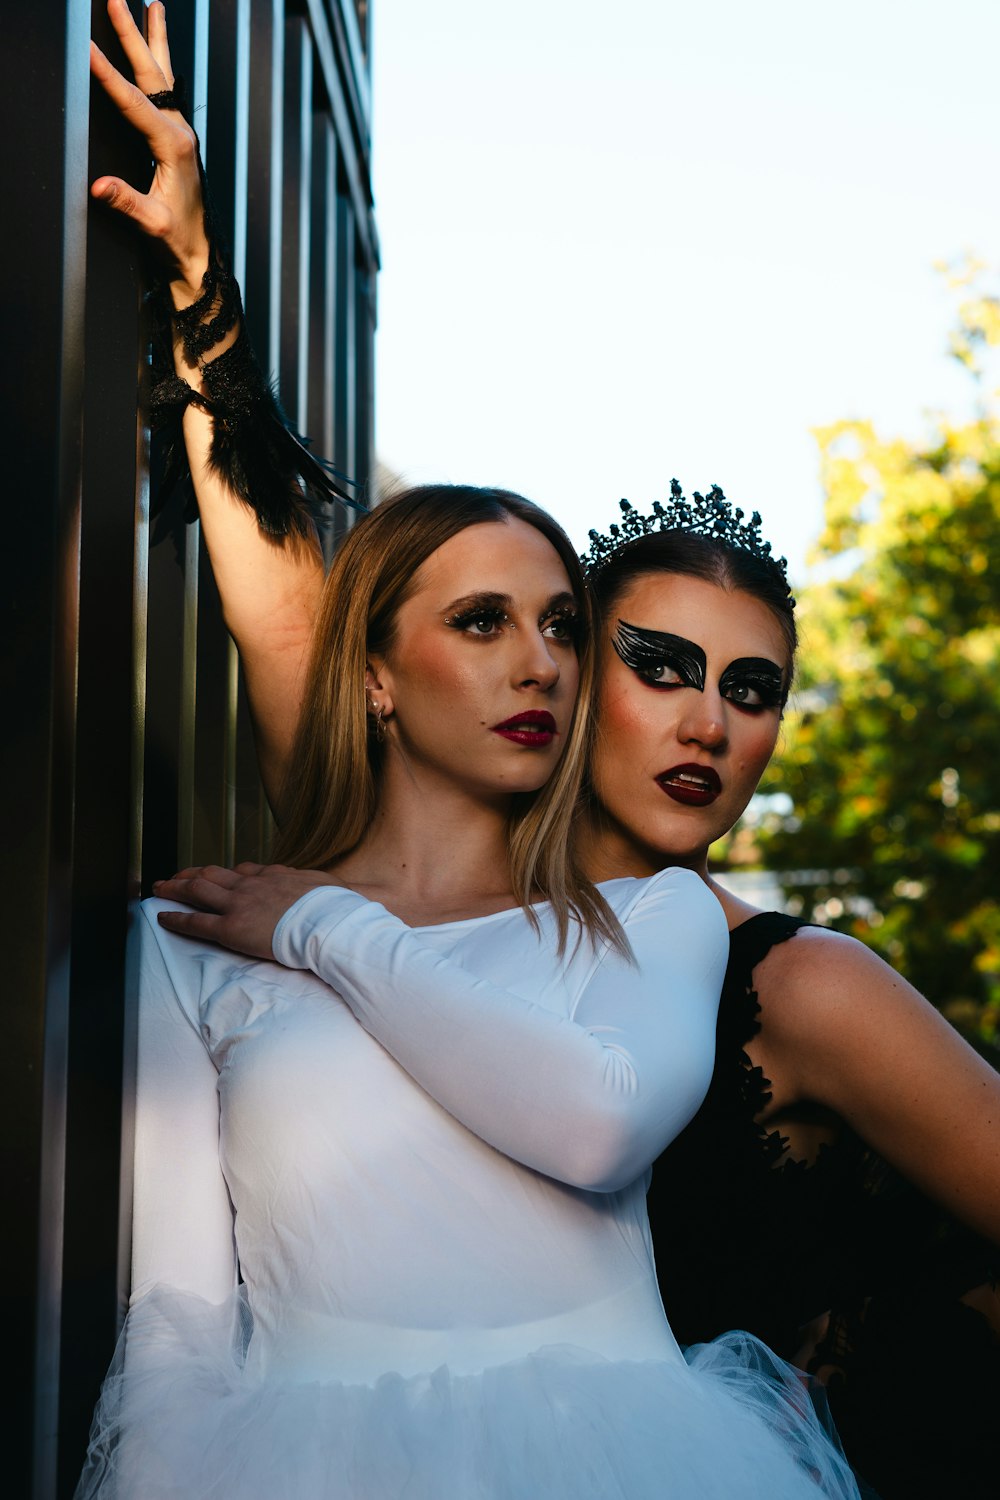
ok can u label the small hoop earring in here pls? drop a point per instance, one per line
(379, 711)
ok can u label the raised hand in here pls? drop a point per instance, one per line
(247, 471)
(238, 909)
(172, 209)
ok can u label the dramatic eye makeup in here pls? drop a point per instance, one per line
(661, 659)
(753, 682)
(483, 616)
(560, 620)
(563, 625)
(478, 614)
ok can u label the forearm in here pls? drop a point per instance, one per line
(211, 405)
(269, 584)
(590, 1099)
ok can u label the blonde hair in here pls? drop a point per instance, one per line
(331, 790)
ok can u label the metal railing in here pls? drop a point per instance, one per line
(129, 752)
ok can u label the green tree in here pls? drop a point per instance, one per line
(891, 750)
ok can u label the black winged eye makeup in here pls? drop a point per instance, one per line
(664, 660)
(753, 682)
(660, 658)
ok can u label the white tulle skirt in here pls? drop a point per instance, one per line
(181, 1418)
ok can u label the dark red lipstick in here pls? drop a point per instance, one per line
(534, 728)
(695, 786)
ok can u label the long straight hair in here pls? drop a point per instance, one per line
(332, 787)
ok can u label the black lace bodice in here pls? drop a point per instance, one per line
(747, 1237)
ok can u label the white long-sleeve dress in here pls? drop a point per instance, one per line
(389, 1223)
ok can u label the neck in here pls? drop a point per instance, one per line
(608, 850)
(434, 851)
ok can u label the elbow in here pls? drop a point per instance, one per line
(604, 1155)
(608, 1151)
(614, 1180)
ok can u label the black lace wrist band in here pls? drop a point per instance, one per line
(200, 332)
(175, 98)
(254, 449)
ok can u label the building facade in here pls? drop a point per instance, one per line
(127, 752)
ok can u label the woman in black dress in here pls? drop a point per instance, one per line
(838, 1193)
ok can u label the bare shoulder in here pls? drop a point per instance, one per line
(846, 1030)
(821, 979)
(842, 1029)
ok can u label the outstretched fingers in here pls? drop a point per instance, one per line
(150, 74)
(147, 212)
(172, 211)
(132, 101)
(156, 40)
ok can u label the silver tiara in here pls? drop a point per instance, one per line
(708, 515)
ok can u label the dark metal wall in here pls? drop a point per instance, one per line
(126, 745)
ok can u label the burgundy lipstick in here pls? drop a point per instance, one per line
(534, 728)
(693, 785)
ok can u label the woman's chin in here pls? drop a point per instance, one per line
(529, 772)
(678, 840)
(528, 783)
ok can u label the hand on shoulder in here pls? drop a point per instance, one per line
(237, 909)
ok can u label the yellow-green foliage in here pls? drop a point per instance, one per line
(892, 743)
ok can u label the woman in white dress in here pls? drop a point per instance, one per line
(389, 1226)
(389, 1231)
(389, 1223)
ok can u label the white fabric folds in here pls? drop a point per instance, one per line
(561, 1423)
(390, 1238)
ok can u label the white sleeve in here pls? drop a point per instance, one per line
(592, 1099)
(182, 1220)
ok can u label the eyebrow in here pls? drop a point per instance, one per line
(639, 648)
(489, 599)
(484, 600)
(750, 666)
(768, 676)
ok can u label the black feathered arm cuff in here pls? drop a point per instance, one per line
(254, 449)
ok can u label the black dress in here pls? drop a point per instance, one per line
(746, 1237)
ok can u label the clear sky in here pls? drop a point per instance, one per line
(627, 241)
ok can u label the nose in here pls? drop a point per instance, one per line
(537, 664)
(703, 721)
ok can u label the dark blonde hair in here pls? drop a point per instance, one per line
(331, 791)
